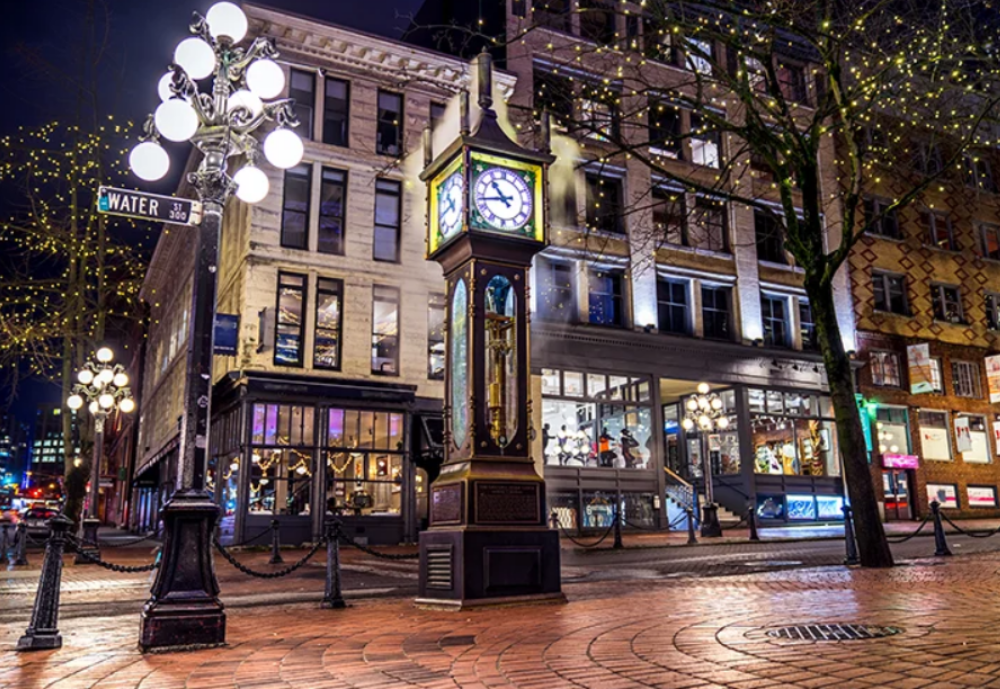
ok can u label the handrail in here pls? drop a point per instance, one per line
(677, 478)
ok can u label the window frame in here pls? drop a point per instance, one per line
(381, 148)
(294, 172)
(807, 326)
(321, 290)
(304, 289)
(773, 241)
(702, 205)
(727, 291)
(767, 317)
(658, 135)
(939, 299)
(439, 301)
(884, 277)
(398, 228)
(973, 167)
(874, 206)
(975, 379)
(346, 114)
(993, 229)
(661, 199)
(398, 302)
(307, 128)
(547, 268)
(595, 220)
(991, 303)
(931, 220)
(616, 295)
(323, 181)
(949, 433)
(688, 305)
(883, 381)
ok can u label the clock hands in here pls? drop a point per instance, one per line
(500, 196)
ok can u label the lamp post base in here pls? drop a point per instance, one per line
(184, 611)
(88, 544)
(710, 526)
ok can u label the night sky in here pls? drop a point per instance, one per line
(40, 42)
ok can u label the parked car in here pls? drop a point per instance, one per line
(37, 519)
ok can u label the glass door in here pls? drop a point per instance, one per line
(896, 485)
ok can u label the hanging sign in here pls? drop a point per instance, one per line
(139, 204)
(993, 377)
(226, 339)
(919, 362)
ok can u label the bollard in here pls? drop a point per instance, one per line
(5, 543)
(710, 526)
(941, 548)
(554, 521)
(275, 543)
(42, 633)
(88, 544)
(849, 542)
(333, 597)
(20, 545)
(690, 515)
(618, 528)
(752, 522)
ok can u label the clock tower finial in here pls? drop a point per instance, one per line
(485, 80)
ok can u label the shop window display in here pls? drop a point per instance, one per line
(721, 444)
(829, 507)
(364, 462)
(607, 424)
(800, 507)
(770, 506)
(790, 435)
(280, 481)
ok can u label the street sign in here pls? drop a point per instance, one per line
(139, 204)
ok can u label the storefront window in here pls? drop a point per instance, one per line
(934, 441)
(974, 445)
(721, 444)
(364, 462)
(791, 436)
(280, 481)
(893, 431)
(609, 427)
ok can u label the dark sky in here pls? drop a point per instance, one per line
(40, 42)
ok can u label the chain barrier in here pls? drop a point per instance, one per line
(347, 540)
(736, 525)
(268, 575)
(904, 539)
(250, 540)
(121, 569)
(972, 534)
(596, 543)
(104, 544)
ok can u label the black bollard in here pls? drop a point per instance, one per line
(42, 633)
(849, 542)
(333, 597)
(5, 543)
(690, 519)
(941, 548)
(710, 526)
(275, 543)
(88, 544)
(20, 545)
(618, 528)
(554, 521)
(752, 523)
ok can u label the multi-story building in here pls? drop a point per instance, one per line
(925, 286)
(13, 450)
(332, 394)
(48, 455)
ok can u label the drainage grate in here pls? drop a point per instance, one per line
(832, 632)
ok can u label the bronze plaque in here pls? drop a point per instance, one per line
(446, 504)
(507, 503)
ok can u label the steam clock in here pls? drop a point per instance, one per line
(487, 541)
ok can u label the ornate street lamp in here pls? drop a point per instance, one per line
(706, 412)
(184, 609)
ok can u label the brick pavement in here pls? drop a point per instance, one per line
(693, 634)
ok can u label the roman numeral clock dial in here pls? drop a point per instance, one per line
(503, 198)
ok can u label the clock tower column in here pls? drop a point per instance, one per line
(488, 542)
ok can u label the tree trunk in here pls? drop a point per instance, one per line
(872, 547)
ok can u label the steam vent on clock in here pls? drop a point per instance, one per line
(488, 542)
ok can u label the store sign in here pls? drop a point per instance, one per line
(900, 461)
(946, 494)
(227, 330)
(866, 420)
(982, 496)
(919, 362)
(993, 377)
(963, 434)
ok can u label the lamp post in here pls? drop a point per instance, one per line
(183, 609)
(103, 386)
(706, 412)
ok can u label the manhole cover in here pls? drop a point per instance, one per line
(832, 632)
(457, 641)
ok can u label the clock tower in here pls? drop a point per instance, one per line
(488, 542)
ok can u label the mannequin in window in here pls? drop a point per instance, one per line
(605, 453)
(629, 443)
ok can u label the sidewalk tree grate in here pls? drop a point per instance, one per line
(832, 632)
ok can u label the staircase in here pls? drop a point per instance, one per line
(682, 496)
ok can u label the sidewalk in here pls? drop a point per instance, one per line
(718, 633)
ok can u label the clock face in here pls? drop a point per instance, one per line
(450, 205)
(503, 198)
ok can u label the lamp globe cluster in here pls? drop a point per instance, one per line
(102, 385)
(187, 112)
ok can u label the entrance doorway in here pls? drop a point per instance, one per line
(896, 485)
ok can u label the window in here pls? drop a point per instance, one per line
(281, 468)
(555, 94)
(295, 207)
(975, 445)
(387, 220)
(939, 232)
(555, 300)
(885, 369)
(597, 21)
(880, 222)
(437, 114)
(332, 197)
(669, 217)
(890, 292)
(993, 311)
(708, 226)
(665, 128)
(658, 42)
(774, 316)
(770, 242)
(704, 142)
(598, 113)
(329, 323)
(302, 89)
(336, 107)
(935, 442)
(991, 241)
(606, 301)
(937, 376)
(290, 323)
(673, 307)
(893, 426)
(385, 331)
(965, 379)
(604, 203)
(947, 303)
(927, 159)
(435, 336)
(715, 312)
(553, 14)
(807, 327)
(698, 55)
(792, 83)
(978, 173)
(389, 133)
(364, 460)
